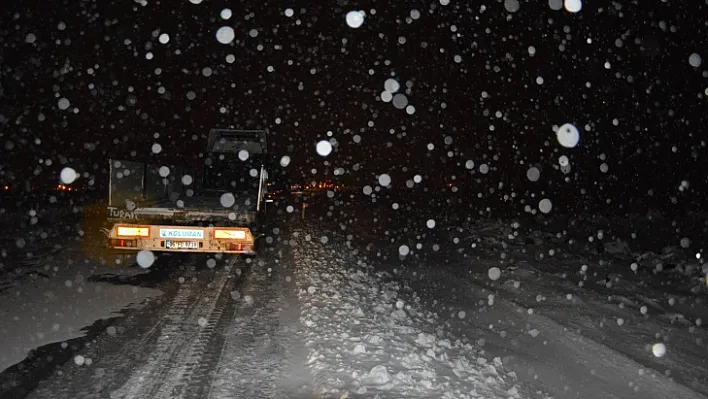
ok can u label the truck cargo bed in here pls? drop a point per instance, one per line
(226, 195)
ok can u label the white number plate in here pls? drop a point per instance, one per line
(182, 244)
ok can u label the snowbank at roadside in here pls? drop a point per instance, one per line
(365, 339)
(566, 317)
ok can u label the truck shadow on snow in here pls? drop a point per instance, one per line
(18, 381)
(167, 274)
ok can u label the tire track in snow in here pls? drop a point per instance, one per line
(181, 345)
(190, 360)
(114, 355)
(211, 343)
(264, 356)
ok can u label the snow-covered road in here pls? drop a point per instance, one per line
(565, 325)
(323, 316)
(187, 343)
(562, 342)
(306, 320)
(230, 330)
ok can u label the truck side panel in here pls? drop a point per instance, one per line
(126, 182)
(136, 184)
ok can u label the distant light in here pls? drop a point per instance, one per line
(226, 13)
(164, 38)
(355, 19)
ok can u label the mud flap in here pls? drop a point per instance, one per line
(94, 242)
(259, 229)
(260, 244)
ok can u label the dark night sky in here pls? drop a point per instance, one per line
(656, 97)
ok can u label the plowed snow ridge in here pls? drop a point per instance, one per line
(365, 339)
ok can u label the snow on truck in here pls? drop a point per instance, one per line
(214, 209)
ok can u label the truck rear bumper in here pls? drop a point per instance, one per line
(136, 237)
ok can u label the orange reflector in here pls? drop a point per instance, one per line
(225, 234)
(126, 231)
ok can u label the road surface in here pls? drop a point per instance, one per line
(336, 307)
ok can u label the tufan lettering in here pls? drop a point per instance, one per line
(121, 214)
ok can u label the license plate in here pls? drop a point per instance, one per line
(182, 244)
(182, 234)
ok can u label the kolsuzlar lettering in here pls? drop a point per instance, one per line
(182, 233)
